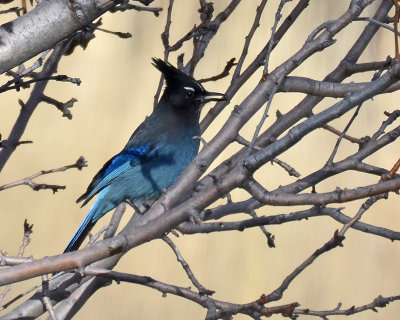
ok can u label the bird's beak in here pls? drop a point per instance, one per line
(212, 96)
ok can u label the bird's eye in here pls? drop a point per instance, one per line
(189, 92)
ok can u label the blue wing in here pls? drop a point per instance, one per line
(118, 164)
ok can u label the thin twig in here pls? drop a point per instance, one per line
(360, 142)
(17, 10)
(94, 237)
(45, 297)
(339, 140)
(79, 164)
(21, 123)
(249, 37)
(396, 29)
(186, 267)
(25, 242)
(63, 107)
(395, 168)
(3, 143)
(269, 235)
(271, 42)
(278, 16)
(223, 74)
(115, 221)
(28, 229)
(122, 35)
(128, 6)
(265, 113)
(292, 171)
(391, 118)
(165, 41)
(335, 241)
(379, 23)
(21, 84)
(238, 82)
(6, 290)
(22, 71)
(212, 27)
(289, 169)
(378, 302)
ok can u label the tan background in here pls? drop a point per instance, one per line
(118, 84)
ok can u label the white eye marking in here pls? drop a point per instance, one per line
(189, 89)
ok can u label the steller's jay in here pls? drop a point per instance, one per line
(156, 154)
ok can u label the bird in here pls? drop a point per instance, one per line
(156, 154)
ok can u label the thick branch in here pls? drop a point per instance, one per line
(48, 23)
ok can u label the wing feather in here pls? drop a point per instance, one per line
(117, 165)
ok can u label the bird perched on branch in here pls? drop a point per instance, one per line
(156, 154)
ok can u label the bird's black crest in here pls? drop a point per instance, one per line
(173, 75)
(166, 68)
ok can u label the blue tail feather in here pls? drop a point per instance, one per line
(81, 233)
(99, 209)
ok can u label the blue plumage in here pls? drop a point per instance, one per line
(132, 155)
(156, 154)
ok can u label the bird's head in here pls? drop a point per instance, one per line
(182, 91)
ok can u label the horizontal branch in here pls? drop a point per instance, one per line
(326, 89)
(25, 84)
(79, 164)
(316, 211)
(337, 196)
(224, 308)
(379, 302)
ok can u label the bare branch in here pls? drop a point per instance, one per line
(257, 63)
(13, 9)
(19, 127)
(62, 20)
(339, 140)
(25, 84)
(63, 107)
(345, 136)
(208, 196)
(379, 302)
(187, 269)
(128, 6)
(269, 235)
(335, 241)
(324, 88)
(79, 164)
(249, 37)
(223, 74)
(336, 196)
(45, 297)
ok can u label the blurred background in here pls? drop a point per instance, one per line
(118, 85)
